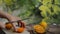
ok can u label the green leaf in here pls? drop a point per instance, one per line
(56, 8)
(1, 2)
(45, 11)
(57, 2)
(46, 2)
(8, 2)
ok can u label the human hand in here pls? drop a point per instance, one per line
(13, 19)
(2, 25)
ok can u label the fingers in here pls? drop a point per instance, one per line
(2, 25)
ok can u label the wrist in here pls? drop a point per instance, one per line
(5, 15)
(9, 17)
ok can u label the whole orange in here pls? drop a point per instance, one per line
(44, 24)
(20, 30)
(39, 29)
(8, 26)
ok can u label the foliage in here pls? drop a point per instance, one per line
(16, 4)
(35, 10)
(50, 10)
(0, 2)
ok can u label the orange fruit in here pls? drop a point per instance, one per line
(20, 30)
(39, 29)
(44, 24)
(8, 26)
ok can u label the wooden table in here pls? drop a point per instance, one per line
(10, 32)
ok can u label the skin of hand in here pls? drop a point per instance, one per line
(14, 18)
(9, 17)
(2, 25)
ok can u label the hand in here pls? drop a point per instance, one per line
(2, 25)
(7, 16)
(13, 18)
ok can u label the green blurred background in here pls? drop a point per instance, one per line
(33, 11)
